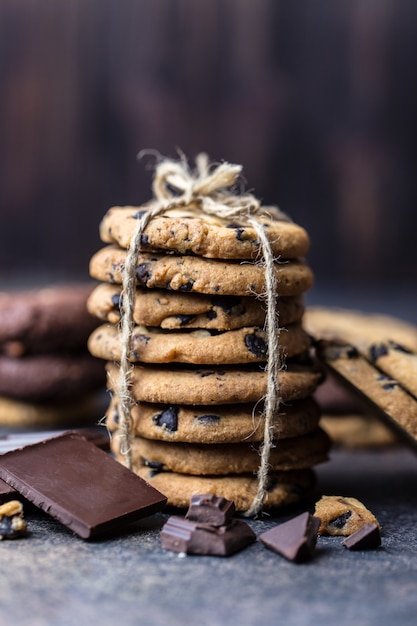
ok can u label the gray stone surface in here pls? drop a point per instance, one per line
(54, 578)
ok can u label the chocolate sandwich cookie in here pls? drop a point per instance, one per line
(209, 386)
(284, 488)
(201, 275)
(44, 320)
(190, 231)
(220, 424)
(172, 310)
(358, 328)
(217, 459)
(49, 376)
(379, 390)
(198, 347)
(75, 411)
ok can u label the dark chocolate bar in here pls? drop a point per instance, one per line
(79, 484)
(295, 540)
(210, 509)
(366, 538)
(184, 536)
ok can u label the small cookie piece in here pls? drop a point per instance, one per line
(190, 231)
(217, 459)
(220, 424)
(49, 319)
(197, 347)
(173, 310)
(342, 516)
(12, 524)
(397, 361)
(207, 386)
(380, 391)
(284, 488)
(49, 376)
(75, 411)
(197, 274)
(358, 328)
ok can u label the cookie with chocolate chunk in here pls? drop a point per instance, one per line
(209, 386)
(154, 345)
(173, 310)
(217, 459)
(358, 328)
(49, 376)
(190, 231)
(383, 393)
(284, 488)
(341, 515)
(201, 275)
(396, 361)
(48, 319)
(219, 424)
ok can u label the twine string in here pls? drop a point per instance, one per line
(213, 191)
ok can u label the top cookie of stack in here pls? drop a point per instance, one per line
(198, 341)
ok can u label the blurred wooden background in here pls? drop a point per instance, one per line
(316, 99)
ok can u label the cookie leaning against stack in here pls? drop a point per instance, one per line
(198, 351)
(372, 359)
(47, 376)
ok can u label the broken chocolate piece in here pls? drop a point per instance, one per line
(210, 509)
(12, 524)
(295, 540)
(366, 538)
(184, 536)
(80, 485)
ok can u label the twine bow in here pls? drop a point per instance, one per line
(213, 193)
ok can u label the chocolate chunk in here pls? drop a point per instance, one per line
(388, 383)
(340, 521)
(143, 273)
(167, 419)
(366, 538)
(158, 466)
(184, 536)
(116, 301)
(210, 509)
(144, 240)
(138, 214)
(187, 286)
(256, 345)
(295, 540)
(208, 419)
(79, 484)
(226, 303)
(185, 319)
(211, 315)
(399, 347)
(376, 351)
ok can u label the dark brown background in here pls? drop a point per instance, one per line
(316, 98)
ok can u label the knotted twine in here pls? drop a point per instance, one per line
(213, 192)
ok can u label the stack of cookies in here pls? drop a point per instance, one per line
(47, 376)
(199, 353)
